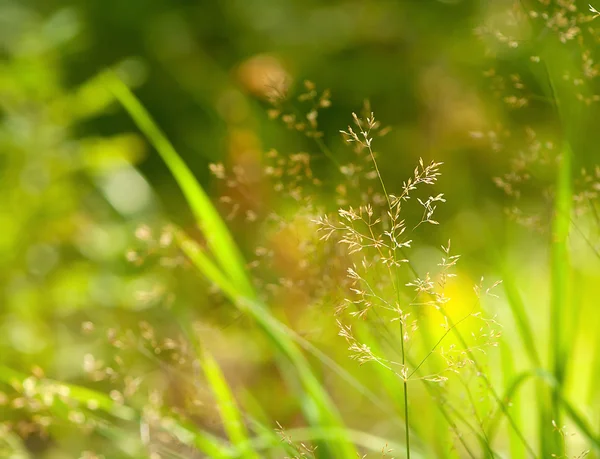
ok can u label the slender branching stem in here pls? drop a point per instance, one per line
(396, 283)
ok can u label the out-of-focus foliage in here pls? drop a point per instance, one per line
(69, 201)
(70, 204)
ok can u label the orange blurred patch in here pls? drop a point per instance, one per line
(262, 75)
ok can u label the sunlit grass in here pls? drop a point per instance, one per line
(437, 354)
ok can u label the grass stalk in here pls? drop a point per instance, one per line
(560, 274)
(230, 414)
(560, 269)
(396, 283)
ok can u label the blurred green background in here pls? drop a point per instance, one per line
(86, 257)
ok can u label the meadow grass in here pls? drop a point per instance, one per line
(430, 353)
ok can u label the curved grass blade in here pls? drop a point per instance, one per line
(512, 389)
(232, 274)
(517, 307)
(213, 228)
(508, 370)
(230, 414)
(571, 411)
(560, 268)
(548, 379)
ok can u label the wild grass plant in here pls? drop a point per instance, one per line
(436, 364)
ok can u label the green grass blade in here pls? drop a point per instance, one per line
(517, 307)
(508, 370)
(198, 256)
(511, 391)
(213, 228)
(229, 411)
(318, 406)
(560, 268)
(558, 61)
(550, 381)
(577, 419)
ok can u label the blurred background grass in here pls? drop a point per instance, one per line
(85, 260)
